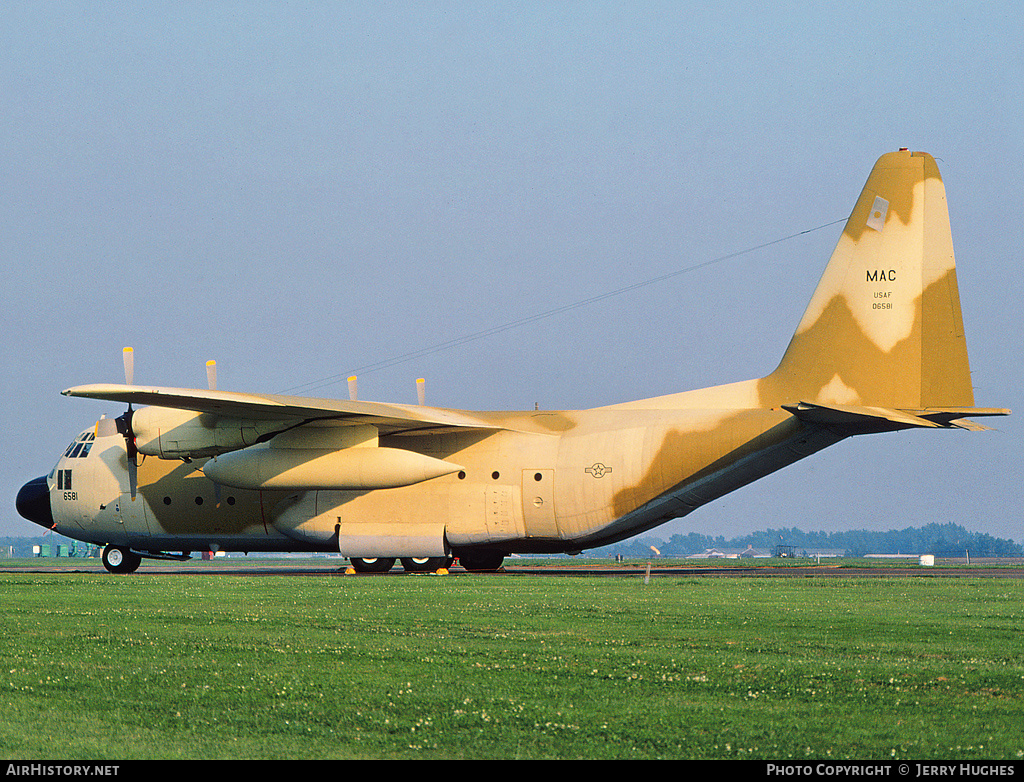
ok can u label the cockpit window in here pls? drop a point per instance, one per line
(81, 446)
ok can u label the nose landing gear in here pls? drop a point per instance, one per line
(117, 559)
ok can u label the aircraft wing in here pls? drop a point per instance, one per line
(388, 418)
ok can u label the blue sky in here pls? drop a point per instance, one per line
(303, 190)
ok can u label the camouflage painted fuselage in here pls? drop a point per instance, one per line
(544, 482)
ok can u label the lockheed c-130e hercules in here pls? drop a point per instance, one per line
(880, 348)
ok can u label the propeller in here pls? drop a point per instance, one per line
(124, 421)
(421, 390)
(211, 382)
(352, 388)
(124, 425)
(129, 365)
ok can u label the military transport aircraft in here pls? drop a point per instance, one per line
(881, 347)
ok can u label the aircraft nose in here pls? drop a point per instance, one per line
(34, 502)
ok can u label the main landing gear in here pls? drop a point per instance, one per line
(477, 563)
(482, 563)
(410, 564)
(372, 564)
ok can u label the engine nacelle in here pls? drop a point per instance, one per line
(182, 434)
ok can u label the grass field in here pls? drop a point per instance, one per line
(213, 666)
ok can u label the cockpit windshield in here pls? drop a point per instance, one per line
(81, 446)
(60, 477)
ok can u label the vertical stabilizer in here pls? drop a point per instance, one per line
(884, 326)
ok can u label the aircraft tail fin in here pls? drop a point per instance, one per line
(884, 326)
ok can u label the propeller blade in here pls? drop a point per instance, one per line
(421, 391)
(352, 388)
(129, 365)
(211, 374)
(123, 424)
(133, 475)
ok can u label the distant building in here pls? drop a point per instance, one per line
(710, 553)
(730, 553)
(891, 556)
(823, 553)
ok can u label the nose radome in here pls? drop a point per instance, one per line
(33, 502)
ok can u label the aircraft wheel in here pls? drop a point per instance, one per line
(482, 563)
(117, 559)
(372, 564)
(425, 564)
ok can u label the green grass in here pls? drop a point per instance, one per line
(206, 666)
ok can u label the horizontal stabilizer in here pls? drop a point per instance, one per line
(883, 419)
(863, 419)
(956, 417)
